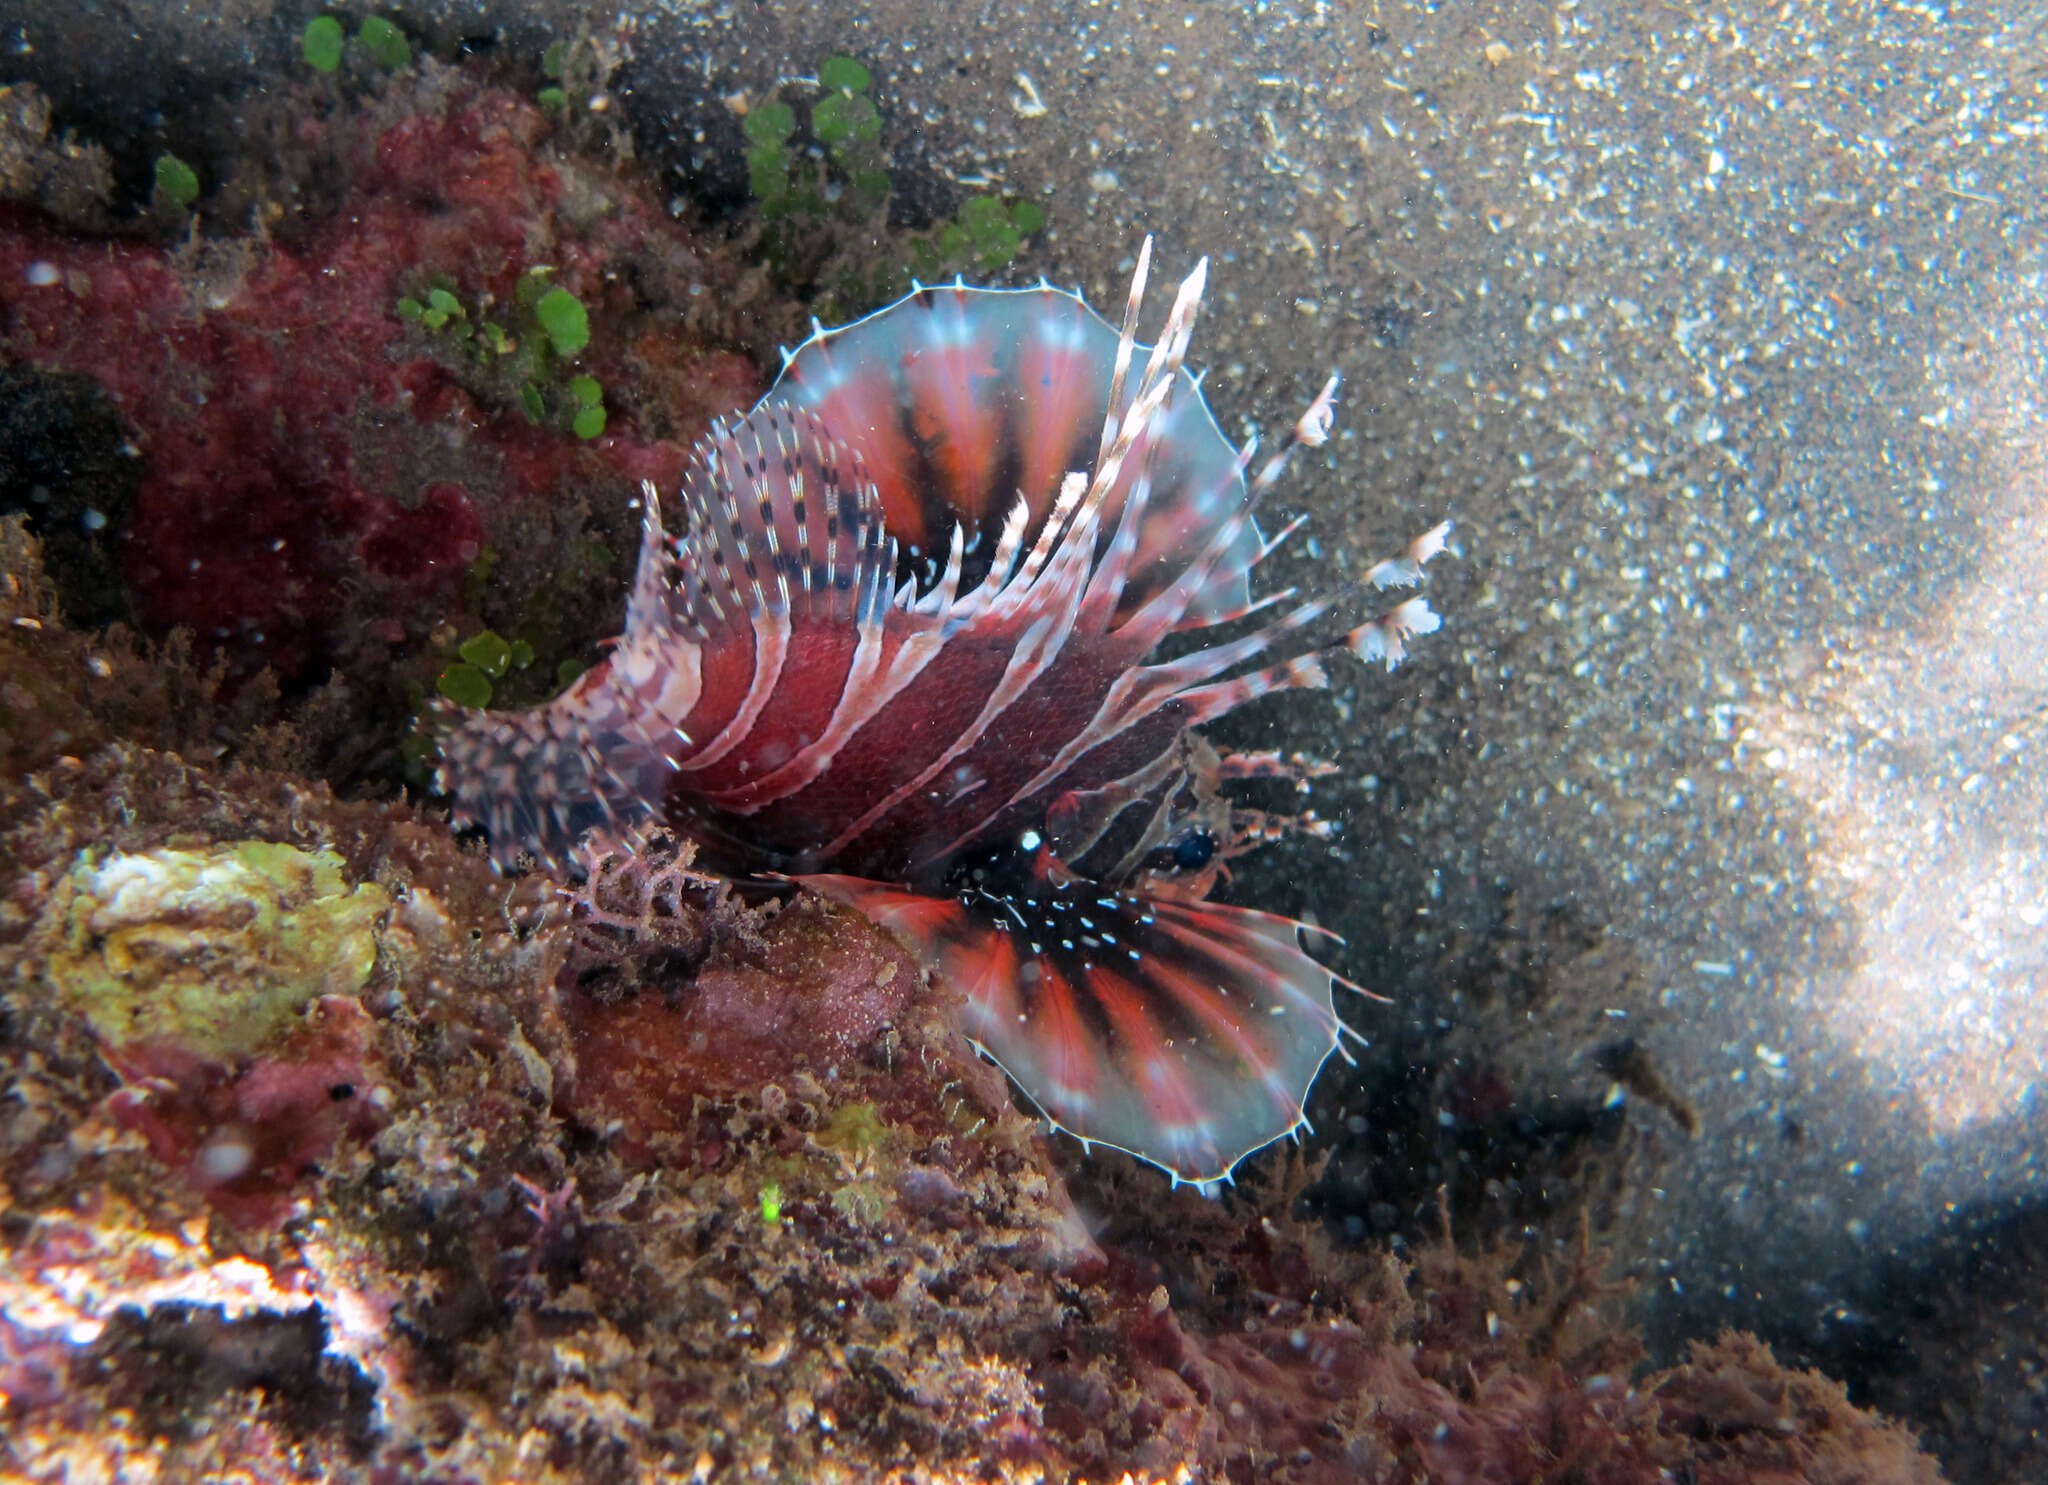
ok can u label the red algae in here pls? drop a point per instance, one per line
(243, 1137)
(642, 1062)
(304, 448)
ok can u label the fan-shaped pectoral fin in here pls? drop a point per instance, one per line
(1185, 1033)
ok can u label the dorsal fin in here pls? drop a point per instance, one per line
(780, 514)
(963, 401)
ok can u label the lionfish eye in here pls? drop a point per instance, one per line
(1194, 850)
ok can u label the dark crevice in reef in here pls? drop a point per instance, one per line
(176, 1362)
(68, 464)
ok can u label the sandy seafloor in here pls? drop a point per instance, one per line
(1719, 331)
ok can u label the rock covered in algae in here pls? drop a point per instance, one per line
(220, 981)
(218, 950)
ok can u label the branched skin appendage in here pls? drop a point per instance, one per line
(641, 907)
(902, 653)
(557, 1215)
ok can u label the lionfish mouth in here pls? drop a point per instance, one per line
(900, 651)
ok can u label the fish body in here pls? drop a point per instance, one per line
(900, 652)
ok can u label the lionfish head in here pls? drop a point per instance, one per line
(901, 652)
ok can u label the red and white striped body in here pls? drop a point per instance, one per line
(899, 653)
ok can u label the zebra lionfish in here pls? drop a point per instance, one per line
(899, 655)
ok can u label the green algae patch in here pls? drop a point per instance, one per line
(854, 1129)
(321, 42)
(216, 951)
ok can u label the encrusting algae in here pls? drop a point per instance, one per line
(219, 951)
